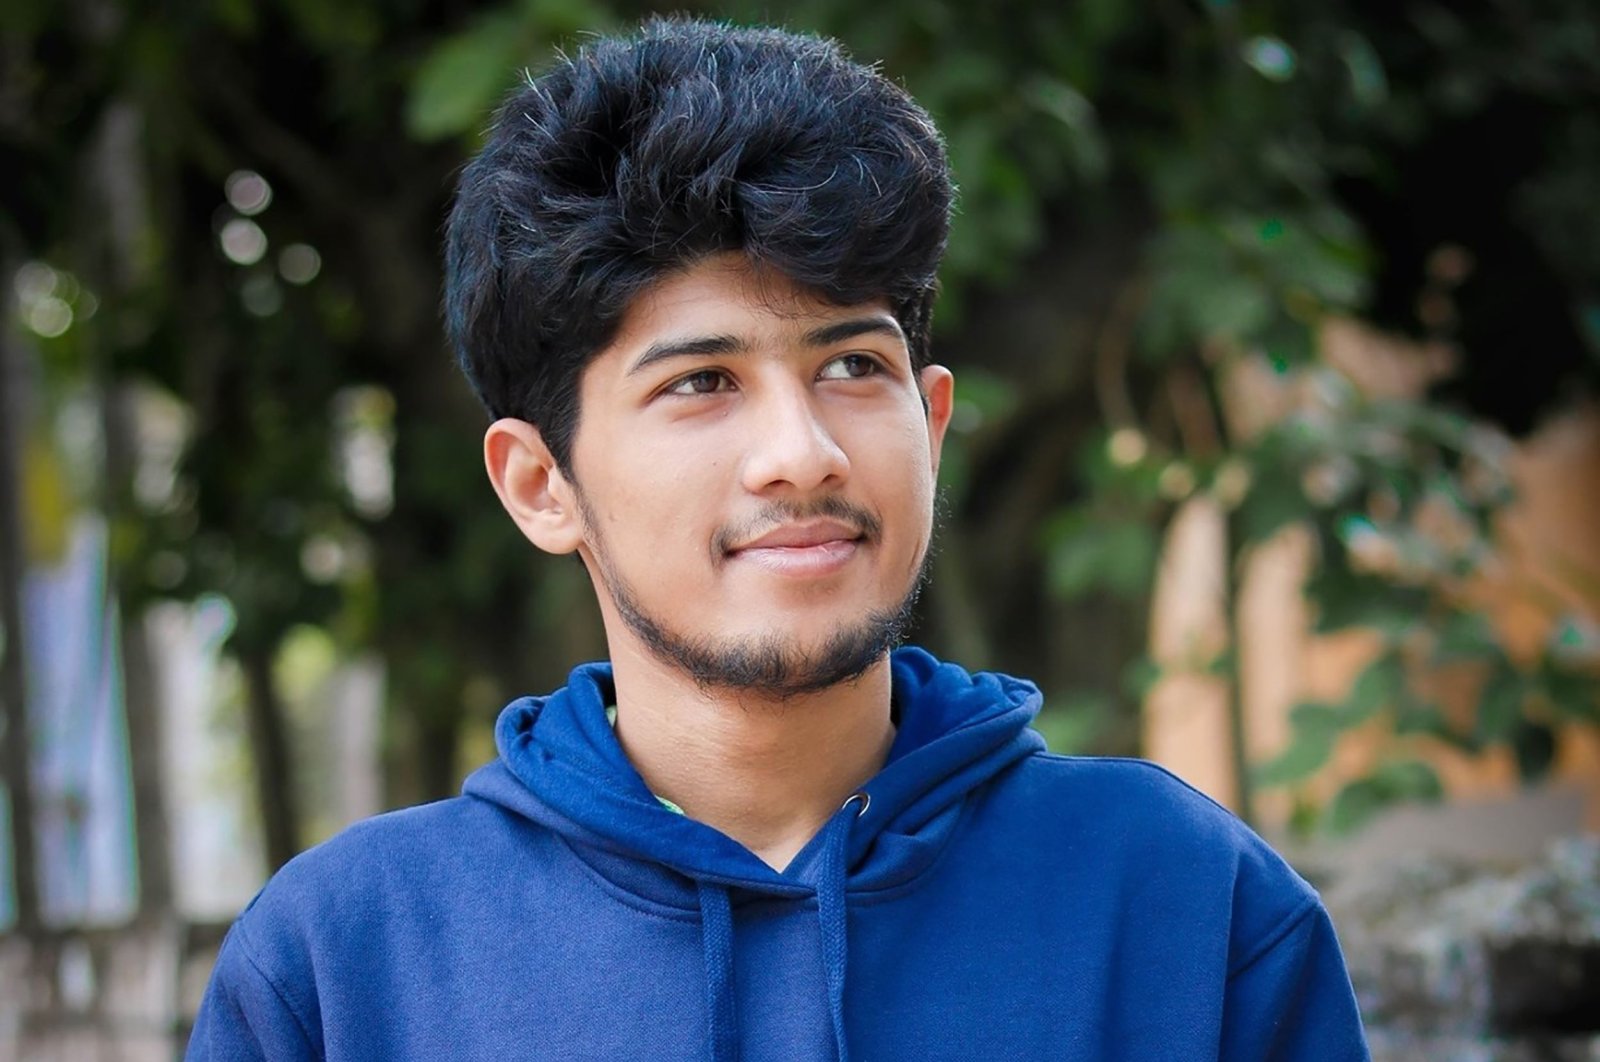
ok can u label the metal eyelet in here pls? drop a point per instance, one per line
(863, 796)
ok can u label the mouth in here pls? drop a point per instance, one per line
(806, 549)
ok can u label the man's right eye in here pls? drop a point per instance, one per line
(704, 382)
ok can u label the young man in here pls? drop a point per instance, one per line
(690, 276)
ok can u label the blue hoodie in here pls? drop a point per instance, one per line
(978, 899)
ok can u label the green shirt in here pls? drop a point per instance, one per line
(611, 717)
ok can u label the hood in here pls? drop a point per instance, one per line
(561, 766)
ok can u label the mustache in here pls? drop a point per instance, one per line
(776, 514)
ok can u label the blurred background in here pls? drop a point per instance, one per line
(1276, 456)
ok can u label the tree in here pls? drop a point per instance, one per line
(1149, 196)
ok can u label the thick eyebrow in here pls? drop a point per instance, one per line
(839, 331)
(705, 346)
(699, 347)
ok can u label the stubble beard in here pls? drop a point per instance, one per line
(769, 665)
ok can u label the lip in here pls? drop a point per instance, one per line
(804, 534)
(808, 549)
(823, 558)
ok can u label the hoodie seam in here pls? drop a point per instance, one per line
(857, 897)
(890, 893)
(1275, 936)
(1148, 765)
(642, 904)
(247, 950)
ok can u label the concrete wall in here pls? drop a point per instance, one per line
(104, 995)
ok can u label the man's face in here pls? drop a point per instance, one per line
(755, 472)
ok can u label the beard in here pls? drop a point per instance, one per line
(768, 664)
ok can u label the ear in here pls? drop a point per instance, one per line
(938, 392)
(531, 486)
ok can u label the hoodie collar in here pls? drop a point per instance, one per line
(561, 765)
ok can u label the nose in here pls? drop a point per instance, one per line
(791, 447)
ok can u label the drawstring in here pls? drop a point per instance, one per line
(831, 912)
(716, 922)
(716, 938)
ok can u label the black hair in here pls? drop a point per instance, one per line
(639, 156)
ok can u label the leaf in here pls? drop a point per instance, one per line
(1379, 686)
(1415, 716)
(1464, 635)
(1390, 782)
(461, 79)
(1287, 342)
(1500, 706)
(1346, 598)
(1073, 721)
(1303, 757)
(1354, 806)
(1236, 307)
(1139, 675)
(1573, 694)
(1118, 556)
(1409, 780)
(1318, 716)
(984, 397)
(1275, 500)
(1316, 727)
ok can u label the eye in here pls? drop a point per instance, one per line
(704, 382)
(850, 367)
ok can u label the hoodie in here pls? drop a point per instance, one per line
(979, 898)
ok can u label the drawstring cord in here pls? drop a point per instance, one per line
(832, 915)
(716, 921)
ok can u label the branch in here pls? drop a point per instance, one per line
(298, 162)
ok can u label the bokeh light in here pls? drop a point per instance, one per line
(1270, 57)
(299, 263)
(248, 192)
(243, 241)
(1127, 446)
(261, 295)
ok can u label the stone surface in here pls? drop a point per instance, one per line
(123, 994)
(1458, 961)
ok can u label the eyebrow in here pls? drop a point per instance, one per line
(825, 336)
(839, 331)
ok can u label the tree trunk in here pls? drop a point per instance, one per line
(438, 739)
(152, 836)
(269, 742)
(13, 665)
(115, 191)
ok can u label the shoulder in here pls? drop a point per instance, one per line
(1128, 794)
(411, 847)
(1138, 820)
(394, 873)
(335, 913)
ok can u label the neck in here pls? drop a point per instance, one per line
(768, 772)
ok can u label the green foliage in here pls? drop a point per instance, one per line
(1087, 554)
(1073, 721)
(1253, 279)
(465, 75)
(1316, 728)
(1389, 783)
(982, 401)
(1402, 498)
(1189, 155)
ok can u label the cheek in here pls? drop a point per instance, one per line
(664, 492)
(892, 468)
